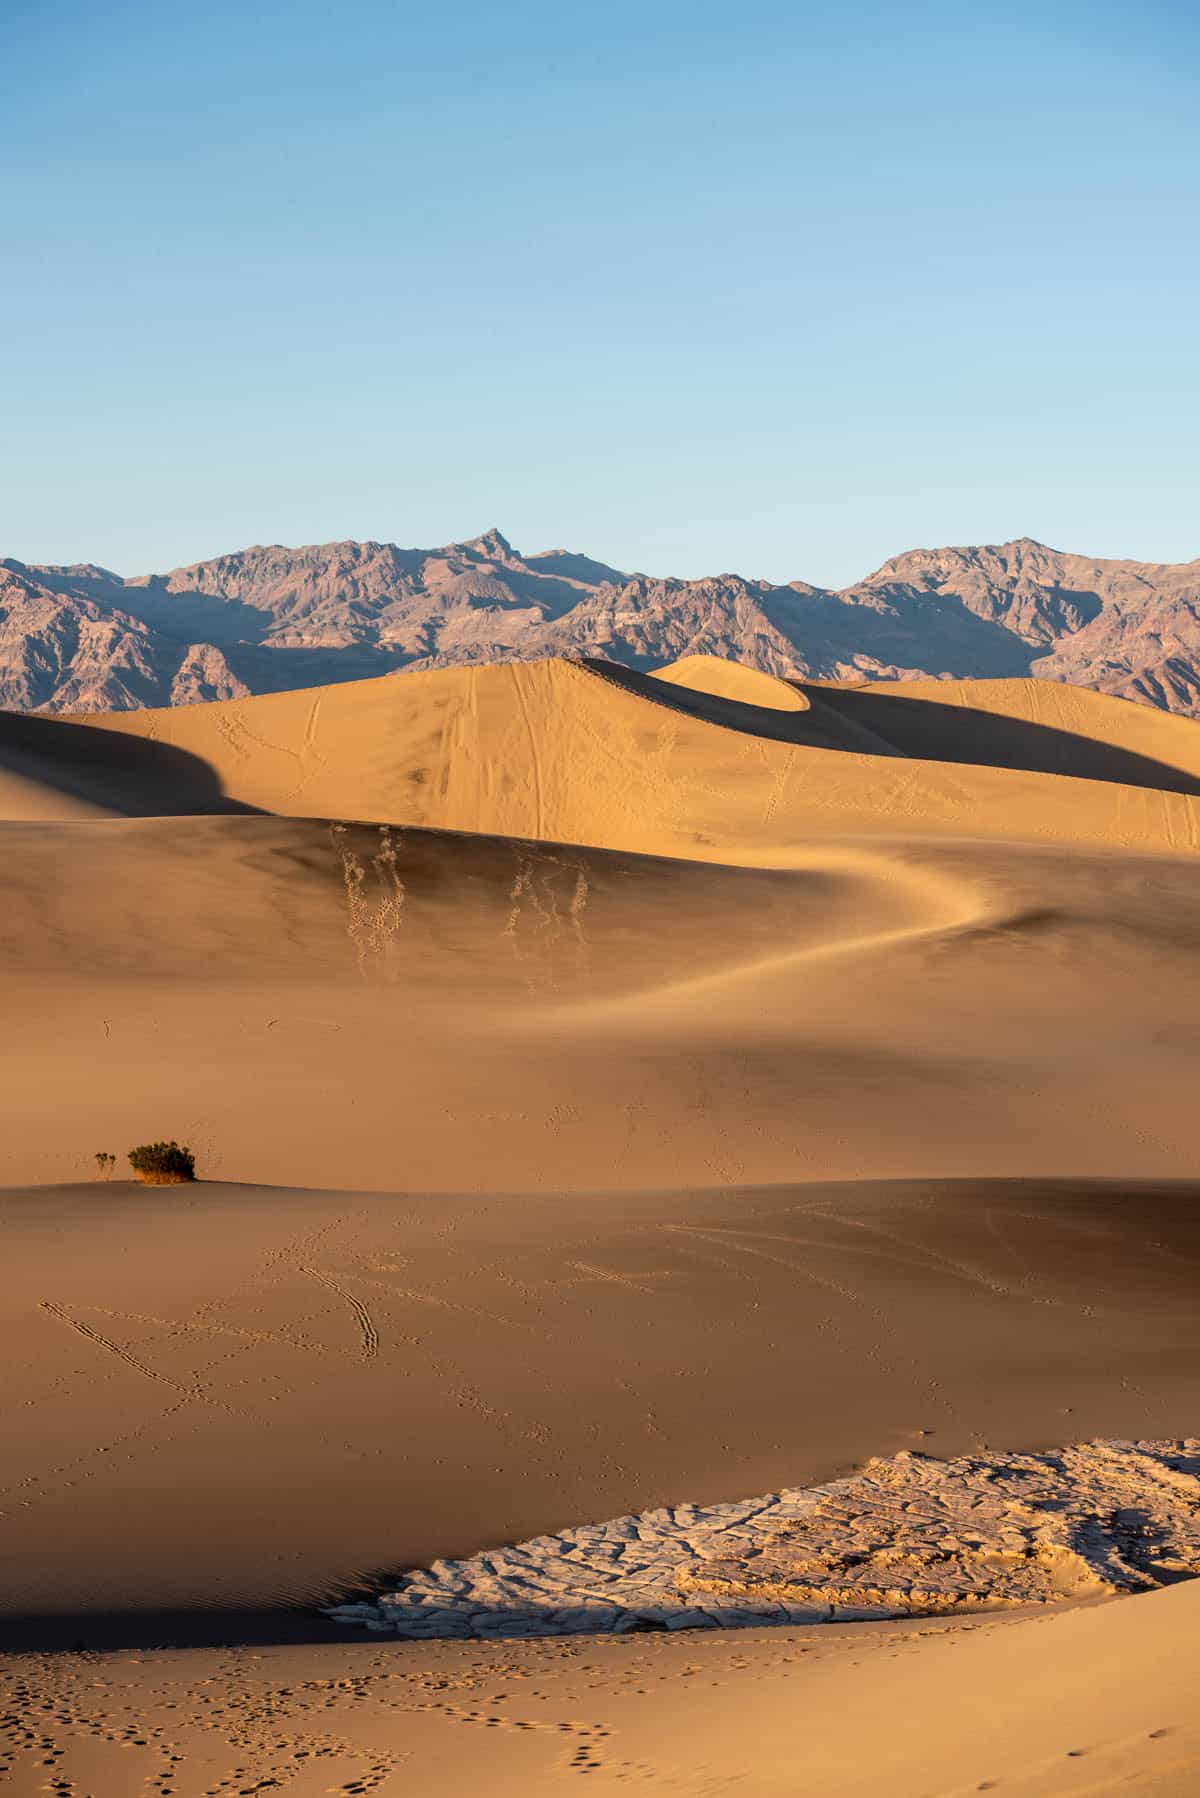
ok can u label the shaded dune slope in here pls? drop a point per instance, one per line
(53, 767)
(1038, 726)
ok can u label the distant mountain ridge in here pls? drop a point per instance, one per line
(268, 618)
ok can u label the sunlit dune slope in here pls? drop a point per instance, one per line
(730, 680)
(596, 754)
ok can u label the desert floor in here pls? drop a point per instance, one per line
(607, 1092)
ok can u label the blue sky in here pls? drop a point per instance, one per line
(780, 288)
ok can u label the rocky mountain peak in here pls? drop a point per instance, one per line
(493, 545)
(270, 617)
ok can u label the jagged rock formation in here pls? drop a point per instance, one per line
(269, 618)
(910, 1536)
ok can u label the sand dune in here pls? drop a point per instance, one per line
(325, 1007)
(588, 753)
(827, 980)
(730, 680)
(702, 954)
(1035, 725)
(611, 1090)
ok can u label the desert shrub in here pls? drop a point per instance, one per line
(162, 1163)
(106, 1163)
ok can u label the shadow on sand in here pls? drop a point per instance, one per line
(861, 722)
(930, 731)
(131, 775)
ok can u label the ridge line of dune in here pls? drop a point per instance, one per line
(667, 701)
(968, 910)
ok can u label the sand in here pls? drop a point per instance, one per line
(1095, 1701)
(609, 1092)
(593, 754)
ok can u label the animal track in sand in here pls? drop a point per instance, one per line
(368, 1333)
(583, 1756)
(113, 1348)
(275, 1734)
(437, 1301)
(607, 1276)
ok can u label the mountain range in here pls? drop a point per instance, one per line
(261, 620)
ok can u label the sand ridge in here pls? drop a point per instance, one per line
(730, 680)
(592, 754)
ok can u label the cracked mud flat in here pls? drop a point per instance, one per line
(909, 1536)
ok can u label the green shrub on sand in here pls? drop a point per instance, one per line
(162, 1164)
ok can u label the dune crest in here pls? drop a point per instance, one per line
(732, 680)
(590, 754)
